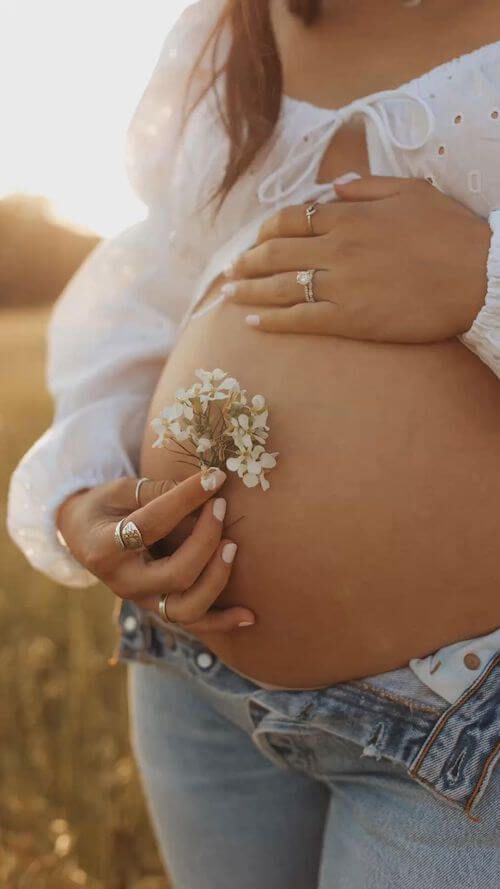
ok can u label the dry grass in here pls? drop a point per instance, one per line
(71, 810)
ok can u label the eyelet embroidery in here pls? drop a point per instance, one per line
(458, 118)
(474, 180)
(430, 179)
(442, 150)
(495, 114)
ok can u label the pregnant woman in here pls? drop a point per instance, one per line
(322, 710)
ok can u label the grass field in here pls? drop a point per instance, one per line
(71, 810)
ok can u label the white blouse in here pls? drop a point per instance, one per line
(112, 330)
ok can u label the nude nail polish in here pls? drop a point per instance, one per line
(219, 509)
(228, 290)
(246, 623)
(253, 320)
(212, 479)
(229, 552)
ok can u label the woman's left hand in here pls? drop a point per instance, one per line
(397, 260)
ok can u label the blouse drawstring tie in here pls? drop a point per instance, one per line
(304, 158)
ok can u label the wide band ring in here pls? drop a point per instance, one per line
(310, 211)
(162, 609)
(128, 536)
(306, 279)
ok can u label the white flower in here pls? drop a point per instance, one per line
(259, 402)
(232, 434)
(204, 444)
(251, 466)
(250, 480)
(172, 413)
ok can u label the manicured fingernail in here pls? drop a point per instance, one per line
(229, 552)
(246, 623)
(229, 270)
(253, 320)
(344, 179)
(228, 290)
(212, 479)
(219, 509)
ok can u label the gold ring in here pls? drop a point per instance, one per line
(162, 608)
(138, 489)
(310, 211)
(306, 278)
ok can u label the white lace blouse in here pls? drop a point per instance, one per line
(114, 326)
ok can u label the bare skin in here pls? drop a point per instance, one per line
(377, 541)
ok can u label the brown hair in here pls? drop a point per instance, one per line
(253, 85)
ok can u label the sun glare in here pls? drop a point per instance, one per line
(71, 74)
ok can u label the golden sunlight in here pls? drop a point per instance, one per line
(71, 75)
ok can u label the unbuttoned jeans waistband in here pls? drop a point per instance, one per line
(450, 750)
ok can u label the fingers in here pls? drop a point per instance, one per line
(281, 255)
(193, 607)
(279, 290)
(152, 488)
(161, 515)
(181, 570)
(373, 188)
(216, 620)
(178, 572)
(291, 222)
(319, 319)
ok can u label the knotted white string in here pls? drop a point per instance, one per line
(304, 158)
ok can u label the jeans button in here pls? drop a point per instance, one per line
(130, 625)
(472, 661)
(204, 660)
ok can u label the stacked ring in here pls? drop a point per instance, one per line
(306, 278)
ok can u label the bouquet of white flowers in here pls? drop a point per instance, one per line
(216, 425)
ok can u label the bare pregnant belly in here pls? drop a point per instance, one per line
(378, 539)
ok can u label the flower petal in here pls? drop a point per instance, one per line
(254, 467)
(250, 480)
(268, 461)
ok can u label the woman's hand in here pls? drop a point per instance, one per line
(196, 572)
(398, 261)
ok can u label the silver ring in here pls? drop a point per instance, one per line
(306, 278)
(128, 536)
(118, 534)
(162, 608)
(138, 489)
(310, 211)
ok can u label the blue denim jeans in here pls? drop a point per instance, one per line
(376, 783)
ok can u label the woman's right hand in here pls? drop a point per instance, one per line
(196, 572)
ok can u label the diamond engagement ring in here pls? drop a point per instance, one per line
(310, 211)
(306, 279)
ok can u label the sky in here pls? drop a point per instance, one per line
(71, 74)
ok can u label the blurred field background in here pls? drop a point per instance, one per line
(71, 809)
